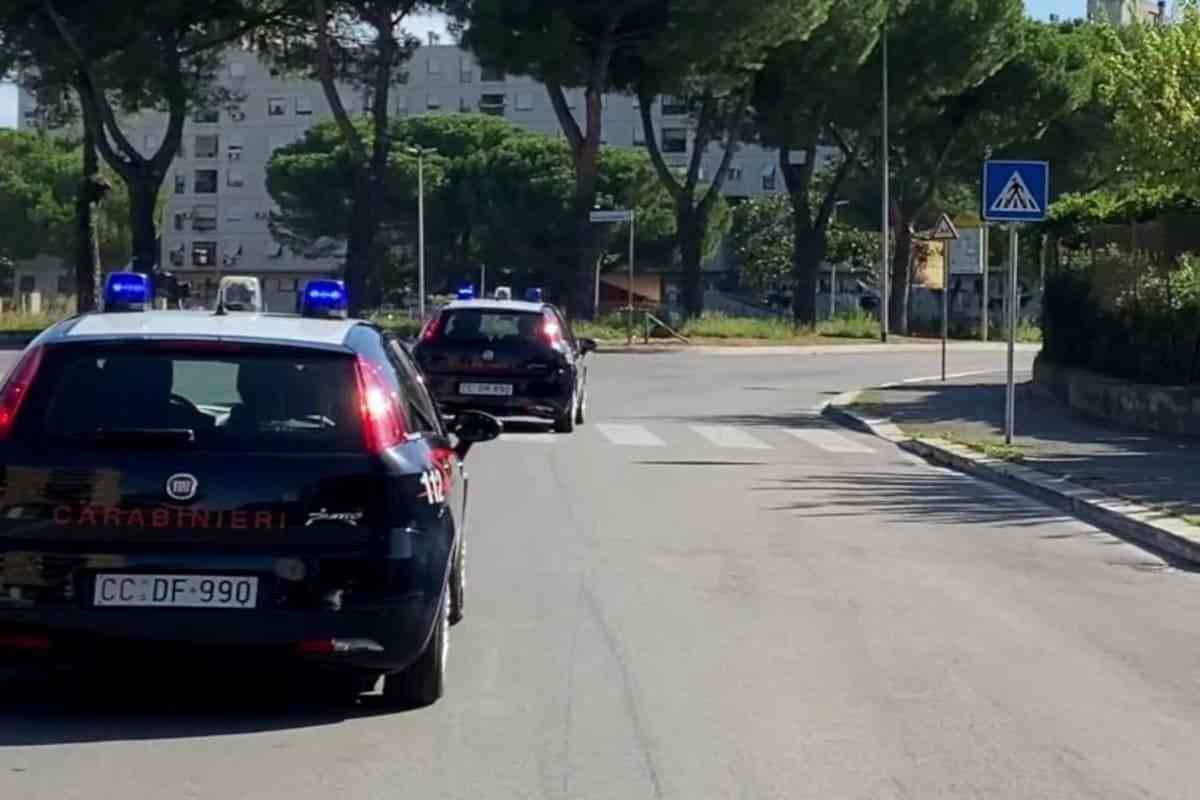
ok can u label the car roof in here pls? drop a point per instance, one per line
(248, 326)
(497, 305)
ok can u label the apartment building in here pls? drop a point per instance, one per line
(217, 206)
(1125, 12)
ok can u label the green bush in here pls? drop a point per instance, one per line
(402, 325)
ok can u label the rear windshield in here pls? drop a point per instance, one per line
(291, 400)
(492, 326)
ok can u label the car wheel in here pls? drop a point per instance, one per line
(566, 422)
(423, 682)
(458, 584)
(581, 410)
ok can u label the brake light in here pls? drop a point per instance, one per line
(17, 387)
(432, 329)
(383, 427)
(24, 641)
(552, 332)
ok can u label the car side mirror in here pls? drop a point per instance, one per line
(474, 427)
(587, 346)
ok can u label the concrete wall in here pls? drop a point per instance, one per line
(1172, 410)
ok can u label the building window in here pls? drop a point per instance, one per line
(492, 104)
(235, 149)
(64, 284)
(733, 175)
(207, 116)
(205, 181)
(235, 178)
(674, 140)
(464, 105)
(433, 101)
(639, 135)
(180, 220)
(524, 101)
(401, 104)
(276, 106)
(466, 70)
(491, 75)
(176, 256)
(28, 283)
(673, 106)
(180, 183)
(236, 213)
(207, 146)
(768, 178)
(434, 66)
(304, 105)
(204, 254)
(204, 219)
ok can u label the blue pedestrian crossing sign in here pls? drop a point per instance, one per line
(1015, 191)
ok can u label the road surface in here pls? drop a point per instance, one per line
(709, 592)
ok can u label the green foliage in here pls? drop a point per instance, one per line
(856, 324)
(713, 325)
(610, 327)
(39, 181)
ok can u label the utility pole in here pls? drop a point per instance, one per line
(885, 299)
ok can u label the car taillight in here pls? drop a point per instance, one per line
(552, 333)
(383, 427)
(12, 395)
(432, 329)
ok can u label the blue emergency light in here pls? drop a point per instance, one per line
(324, 298)
(466, 291)
(533, 295)
(127, 291)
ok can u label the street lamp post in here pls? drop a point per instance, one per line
(420, 152)
(833, 290)
(885, 299)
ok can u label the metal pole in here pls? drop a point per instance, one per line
(983, 258)
(885, 299)
(421, 234)
(483, 280)
(1013, 302)
(629, 326)
(833, 291)
(945, 303)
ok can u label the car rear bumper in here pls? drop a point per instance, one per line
(379, 622)
(544, 398)
(541, 407)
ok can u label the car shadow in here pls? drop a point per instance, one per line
(54, 708)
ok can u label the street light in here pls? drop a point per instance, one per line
(884, 300)
(420, 153)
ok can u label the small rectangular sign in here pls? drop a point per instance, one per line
(620, 215)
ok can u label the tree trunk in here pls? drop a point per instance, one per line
(143, 199)
(360, 242)
(92, 189)
(901, 277)
(577, 286)
(691, 226)
(808, 253)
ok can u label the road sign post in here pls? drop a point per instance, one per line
(946, 233)
(986, 313)
(621, 215)
(1014, 192)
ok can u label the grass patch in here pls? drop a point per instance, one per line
(1191, 519)
(17, 322)
(610, 327)
(719, 326)
(402, 325)
(850, 325)
(992, 449)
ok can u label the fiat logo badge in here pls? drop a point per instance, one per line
(182, 486)
(488, 355)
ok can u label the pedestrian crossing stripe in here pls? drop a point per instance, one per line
(1015, 196)
(723, 436)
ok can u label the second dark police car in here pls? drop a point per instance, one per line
(235, 483)
(506, 357)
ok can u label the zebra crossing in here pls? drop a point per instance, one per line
(724, 437)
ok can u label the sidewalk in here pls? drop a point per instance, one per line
(1159, 473)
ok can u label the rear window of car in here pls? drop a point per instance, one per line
(475, 325)
(290, 400)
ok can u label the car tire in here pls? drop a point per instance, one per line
(581, 410)
(566, 422)
(423, 682)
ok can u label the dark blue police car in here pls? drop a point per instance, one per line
(255, 484)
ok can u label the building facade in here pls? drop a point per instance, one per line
(1126, 12)
(217, 206)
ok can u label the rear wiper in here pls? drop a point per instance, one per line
(165, 437)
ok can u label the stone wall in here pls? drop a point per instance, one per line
(1172, 410)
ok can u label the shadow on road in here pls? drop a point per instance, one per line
(61, 709)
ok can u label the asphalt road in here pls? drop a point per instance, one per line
(709, 592)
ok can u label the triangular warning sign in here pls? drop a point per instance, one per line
(1015, 197)
(944, 230)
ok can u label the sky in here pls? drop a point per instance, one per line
(422, 25)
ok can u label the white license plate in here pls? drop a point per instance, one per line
(486, 389)
(175, 591)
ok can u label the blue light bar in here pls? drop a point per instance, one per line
(466, 291)
(324, 298)
(127, 291)
(533, 295)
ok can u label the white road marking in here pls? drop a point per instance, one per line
(726, 436)
(829, 441)
(630, 436)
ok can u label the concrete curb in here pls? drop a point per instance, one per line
(809, 349)
(1113, 514)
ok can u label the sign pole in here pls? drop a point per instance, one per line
(986, 314)
(632, 222)
(945, 303)
(1013, 303)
